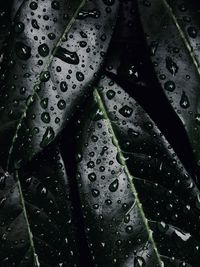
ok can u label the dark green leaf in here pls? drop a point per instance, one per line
(54, 56)
(36, 218)
(172, 30)
(131, 183)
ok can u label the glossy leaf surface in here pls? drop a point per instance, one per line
(56, 49)
(132, 184)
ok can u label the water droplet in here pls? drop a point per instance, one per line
(79, 76)
(34, 24)
(95, 192)
(153, 48)
(197, 119)
(170, 86)
(55, 5)
(33, 5)
(43, 50)
(139, 262)
(85, 14)
(45, 76)
(126, 111)
(47, 137)
(22, 51)
(92, 177)
(171, 66)
(114, 185)
(61, 104)
(45, 117)
(63, 86)
(110, 94)
(19, 27)
(192, 32)
(66, 56)
(44, 103)
(184, 102)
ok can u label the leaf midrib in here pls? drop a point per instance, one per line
(110, 128)
(38, 81)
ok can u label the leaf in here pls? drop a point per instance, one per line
(48, 72)
(141, 207)
(173, 40)
(36, 217)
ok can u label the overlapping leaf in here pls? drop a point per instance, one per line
(37, 224)
(131, 183)
(55, 52)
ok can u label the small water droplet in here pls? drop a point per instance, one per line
(22, 51)
(43, 50)
(184, 102)
(47, 137)
(126, 111)
(170, 86)
(192, 32)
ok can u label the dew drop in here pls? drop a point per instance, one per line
(126, 111)
(43, 50)
(47, 137)
(66, 56)
(22, 51)
(171, 66)
(114, 185)
(184, 102)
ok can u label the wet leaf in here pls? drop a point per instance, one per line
(37, 225)
(47, 59)
(139, 203)
(176, 60)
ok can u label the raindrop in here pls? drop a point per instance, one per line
(184, 102)
(63, 86)
(109, 2)
(114, 185)
(44, 103)
(79, 76)
(55, 5)
(171, 66)
(153, 48)
(95, 192)
(47, 137)
(126, 111)
(66, 56)
(19, 27)
(61, 104)
(85, 14)
(43, 50)
(35, 24)
(192, 32)
(45, 117)
(92, 177)
(110, 94)
(139, 262)
(22, 51)
(170, 86)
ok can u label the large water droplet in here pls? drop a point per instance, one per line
(114, 185)
(66, 56)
